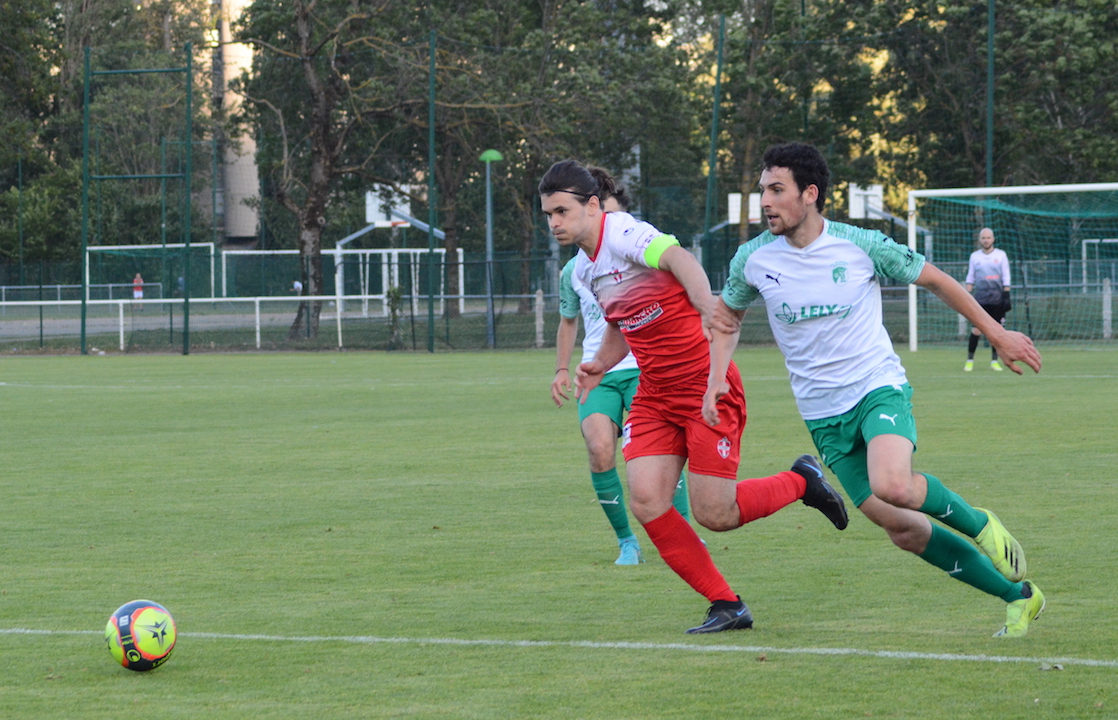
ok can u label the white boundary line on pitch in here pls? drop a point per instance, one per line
(688, 647)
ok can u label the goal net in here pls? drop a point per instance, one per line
(1062, 243)
(164, 270)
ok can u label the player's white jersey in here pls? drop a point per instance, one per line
(824, 307)
(574, 299)
(988, 272)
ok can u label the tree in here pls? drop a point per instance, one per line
(1056, 101)
(1056, 92)
(602, 82)
(792, 71)
(315, 85)
(41, 113)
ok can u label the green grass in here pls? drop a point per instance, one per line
(439, 498)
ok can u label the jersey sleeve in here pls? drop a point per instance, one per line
(890, 258)
(569, 305)
(1005, 270)
(738, 293)
(637, 241)
(970, 271)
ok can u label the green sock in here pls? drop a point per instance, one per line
(607, 485)
(681, 501)
(962, 561)
(950, 509)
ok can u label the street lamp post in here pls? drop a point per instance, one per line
(488, 157)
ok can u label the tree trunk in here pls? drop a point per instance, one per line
(310, 256)
(312, 214)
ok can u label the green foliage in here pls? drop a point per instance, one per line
(1056, 101)
(41, 115)
(443, 501)
(893, 91)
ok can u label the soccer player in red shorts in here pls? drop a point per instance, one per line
(655, 296)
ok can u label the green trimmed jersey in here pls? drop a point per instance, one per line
(823, 304)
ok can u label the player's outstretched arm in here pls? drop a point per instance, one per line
(612, 351)
(722, 346)
(564, 348)
(1011, 346)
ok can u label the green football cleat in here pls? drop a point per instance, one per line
(1002, 548)
(969, 366)
(1019, 613)
(630, 552)
(995, 366)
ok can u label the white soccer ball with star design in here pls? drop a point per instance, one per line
(140, 635)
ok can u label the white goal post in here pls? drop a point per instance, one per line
(914, 195)
(208, 246)
(390, 261)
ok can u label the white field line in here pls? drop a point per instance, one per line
(682, 647)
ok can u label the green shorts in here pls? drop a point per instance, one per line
(842, 439)
(612, 397)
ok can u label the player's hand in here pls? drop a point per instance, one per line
(587, 377)
(560, 386)
(711, 397)
(1014, 346)
(722, 319)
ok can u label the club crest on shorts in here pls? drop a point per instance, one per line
(626, 434)
(724, 447)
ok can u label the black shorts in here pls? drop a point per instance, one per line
(996, 311)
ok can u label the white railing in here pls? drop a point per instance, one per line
(28, 319)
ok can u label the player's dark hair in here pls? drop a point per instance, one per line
(609, 187)
(573, 177)
(806, 163)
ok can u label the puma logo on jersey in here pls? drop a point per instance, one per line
(890, 418)
(774, 279)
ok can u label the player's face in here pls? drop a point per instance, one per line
(782, 203)
(986, 239)
(570, 220)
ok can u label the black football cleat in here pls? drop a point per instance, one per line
(725, 615)
(819, 493)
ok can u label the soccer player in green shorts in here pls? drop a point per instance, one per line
(602, 414)
(818, 281)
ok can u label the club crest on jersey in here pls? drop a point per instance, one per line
(724, 448)
(838, 273)
(640, 319)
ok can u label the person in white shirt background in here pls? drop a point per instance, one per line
(988, 280)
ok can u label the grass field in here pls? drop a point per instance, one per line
(370, 535)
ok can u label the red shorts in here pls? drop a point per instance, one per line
(670, 422)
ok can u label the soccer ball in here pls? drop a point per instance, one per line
(140, 635)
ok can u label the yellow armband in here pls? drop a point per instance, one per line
(656, 249)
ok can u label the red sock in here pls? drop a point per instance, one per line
(761, 497)
(685, 553)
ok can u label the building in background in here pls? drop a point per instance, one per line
(238, 181)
